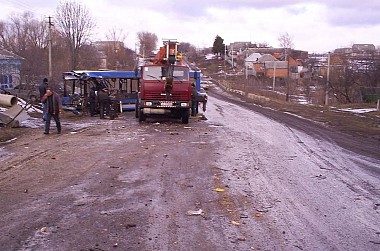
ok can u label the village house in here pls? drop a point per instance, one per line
(10, 65)
(270, 62)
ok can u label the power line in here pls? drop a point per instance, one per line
(22, 6)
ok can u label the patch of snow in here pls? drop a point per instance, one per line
(360, 110)
(4, 154)
(33, 123)
(210, 56)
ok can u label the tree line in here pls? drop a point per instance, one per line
(70, 33)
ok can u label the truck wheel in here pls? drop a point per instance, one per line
(185, 116)
(137, 109)
(141, 115)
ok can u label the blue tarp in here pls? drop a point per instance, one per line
(100, 74)
(84, 75)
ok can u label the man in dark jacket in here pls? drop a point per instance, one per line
(42, 89)
(194, 101)
(92, 99)
(53, 105)
(104, 102)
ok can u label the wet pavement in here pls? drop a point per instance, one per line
(249, 182)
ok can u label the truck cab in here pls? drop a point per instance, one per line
(165, 86)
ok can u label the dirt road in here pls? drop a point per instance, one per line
(238, 181)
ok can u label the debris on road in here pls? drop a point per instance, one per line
(219, 190)
(129, 225)
(195, 212)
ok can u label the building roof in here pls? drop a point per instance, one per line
(363, 47)
(266, 57)
(253, 57)
(4, 55)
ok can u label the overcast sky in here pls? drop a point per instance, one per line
(315, 26)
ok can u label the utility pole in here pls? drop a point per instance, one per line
(50, 63)
(274, 74)
(327, 81)
(288, 77)
(225, 58)
(232, 57)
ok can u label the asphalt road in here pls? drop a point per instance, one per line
(236, 181)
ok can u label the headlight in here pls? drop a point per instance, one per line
(148, 103)
(185, 104)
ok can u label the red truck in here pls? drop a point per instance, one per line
(165, 86)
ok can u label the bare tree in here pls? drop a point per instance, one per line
(61, 59)
(286, 41)
(75, 25)
(349, 74)
(116, 35)
(27, 37)
(189, 50)
(147, 42)
(88, 58)
(115, 50)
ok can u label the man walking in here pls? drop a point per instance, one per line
(53, 106)
(42, 89)
(194, 101)
(104, 102)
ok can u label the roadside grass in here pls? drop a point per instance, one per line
(364, 124)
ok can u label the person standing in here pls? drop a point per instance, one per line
(53, 106)
(42, 89)
(104, 102)
(194, 101)
(92, 99)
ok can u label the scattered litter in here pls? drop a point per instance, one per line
(44, 230)
(235, 223)
(241, 239)
(219, 190)
(258, 214)
(320, 176)
(195, 213)
(114, 167)
(262, 210)
(8, 141)
(129, 225)
(243, 216)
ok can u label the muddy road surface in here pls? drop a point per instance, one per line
(236, 181)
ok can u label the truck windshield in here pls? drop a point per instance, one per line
(161, 72)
